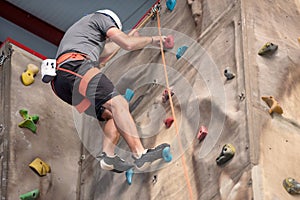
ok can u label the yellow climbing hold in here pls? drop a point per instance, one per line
(28, 76)
(40, 167)
(273, 104)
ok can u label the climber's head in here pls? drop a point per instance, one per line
(113, 16)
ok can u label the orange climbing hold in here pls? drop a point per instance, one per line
(273, 104)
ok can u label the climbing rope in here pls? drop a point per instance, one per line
(173, 110)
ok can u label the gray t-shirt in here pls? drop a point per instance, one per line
(88, 36)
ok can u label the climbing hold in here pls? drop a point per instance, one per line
(171, 4)
(30, 195)
(202, 133)
(165, 95)
(168, 122)
(291, 185)
(299, 39)
(181, 51)
(273, 105)
(48, 68)
(128, 94)
(268, 48)
(129, 174)
(228, 74)
(226, 154)
(169, 42)
(40, 167)
(27, 76)
(29, 121)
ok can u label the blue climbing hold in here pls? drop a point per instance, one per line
(171, 4)
(166, 154)
(128, 94)
(181, 51)
(129, 174)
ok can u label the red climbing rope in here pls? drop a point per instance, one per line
(173, 111)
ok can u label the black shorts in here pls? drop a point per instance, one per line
(100, 88)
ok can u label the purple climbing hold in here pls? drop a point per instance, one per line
(171, 4)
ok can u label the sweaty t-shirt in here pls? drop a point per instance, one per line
(88, 36)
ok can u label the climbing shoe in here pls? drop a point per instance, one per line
(115, 163)
(149, 156)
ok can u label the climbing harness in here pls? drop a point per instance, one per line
(173, 110)
(85, 79)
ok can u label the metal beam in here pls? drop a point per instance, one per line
(31, 23)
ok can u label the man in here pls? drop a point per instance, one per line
(79, 83)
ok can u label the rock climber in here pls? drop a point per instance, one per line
(89, 40)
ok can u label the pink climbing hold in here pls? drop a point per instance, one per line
(202, 133)
(169, 42)
(168, 122)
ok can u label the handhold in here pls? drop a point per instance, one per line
(202, 133)
(40, 167)
(168, 122)
(228, 74)
(165, 95)
(128, 94)
(169, 42)
(273, 105)
(171, 4)
(27, 77)
(34, 194)
(181, 51)
(291, 185)
(268, 48)
(29, 121)
(226, 154)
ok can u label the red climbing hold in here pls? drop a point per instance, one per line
(202, 133)
(165, 95)
(169, 42)
(168, 122)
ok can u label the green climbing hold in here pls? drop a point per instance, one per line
(29, 121)
(268, 48)
(30, 195)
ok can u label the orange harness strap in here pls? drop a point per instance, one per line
(85, 79)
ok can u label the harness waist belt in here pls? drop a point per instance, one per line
(85, 79)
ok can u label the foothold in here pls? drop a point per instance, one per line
(27, 77)
(128, 94)
(40, 167)
(154, 179)
(168, 122)
(171, 4)
(242, 96)
(29, 121)
(291, 185)
(34, 194)
(226, 154)
(181, 51)
(228, 74)
(129, 174)
(273, 105)
(169, 42)
(268, 48)
(202, 133)
(165, 95)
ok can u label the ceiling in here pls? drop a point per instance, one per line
(37, 23)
